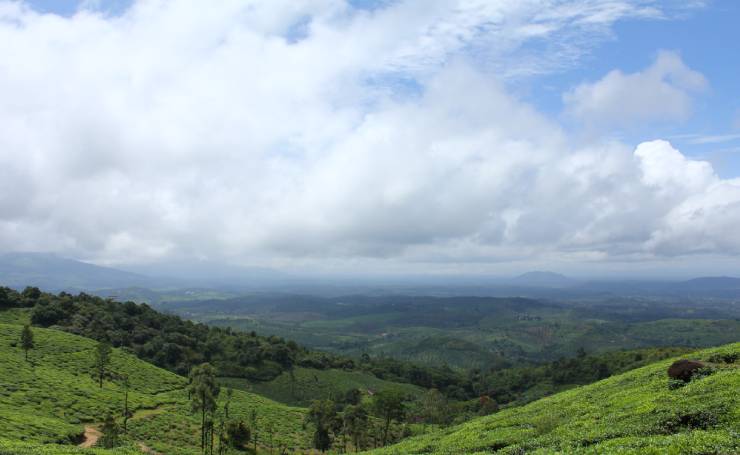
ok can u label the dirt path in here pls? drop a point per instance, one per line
(91, 437)
(146, 449)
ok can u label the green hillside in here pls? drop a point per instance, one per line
(309, 384)
(636, 412)
(52, 397)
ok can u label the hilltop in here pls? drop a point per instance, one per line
(635, 412)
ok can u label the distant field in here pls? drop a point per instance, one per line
(474, 332)
(310, 384)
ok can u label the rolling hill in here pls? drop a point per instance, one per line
(637, 412)
(51, 398)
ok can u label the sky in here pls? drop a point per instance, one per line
(469, 136)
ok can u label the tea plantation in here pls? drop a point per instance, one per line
(49, 398)
(309, 384)
(639, 412)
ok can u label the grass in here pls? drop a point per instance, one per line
(49, 398)
(634, 412)
(8, 447)
(15, 316)
(311, 384)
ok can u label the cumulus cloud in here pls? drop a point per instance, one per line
(661, 92)
(279, 131)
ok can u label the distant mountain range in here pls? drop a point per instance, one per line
(543, 279)
(52, 272)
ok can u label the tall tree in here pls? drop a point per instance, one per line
(434, 407)
(111, 433)
(388, 405)
(323, 415)
(102, 360)
(203, 394)
(255, 429)
(27, 339)
(354, 424)
(126, 413)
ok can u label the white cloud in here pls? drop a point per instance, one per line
(177, 131)
(661, 92)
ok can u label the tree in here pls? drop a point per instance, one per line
(31, 293)
(4, 300)
(255, 436)
(126, 413)
(223, 418)
(237, 434)
(27, 339)
(323, 415)
(354, 424)
(487, 405)
(270, 430)
(102, 360)
(111, 433)
(203, 391)
(388, 405)
(434, 407)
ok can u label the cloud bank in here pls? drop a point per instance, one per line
(278, 131)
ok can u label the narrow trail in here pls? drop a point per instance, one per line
(91, 437)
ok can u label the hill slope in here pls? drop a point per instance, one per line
(635, 412)
(52, 397)
(308, 384)
(53, 272)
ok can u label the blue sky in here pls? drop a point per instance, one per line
(705, 37)
(452, 135)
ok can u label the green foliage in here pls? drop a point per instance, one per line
(12, 447)
(111, 433)
(354, 424)
(630, 413)
(203, 391)
(101, 360)
(169, 341)
(520, 385)
(50, 398)
(322, 414)
(434, 408)
(388, 405)
(237, 434)
(303, 385)
(475, 332)
(26, 339)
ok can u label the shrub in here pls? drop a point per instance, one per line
(238, 434)
(724, 358)
(684, 369)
